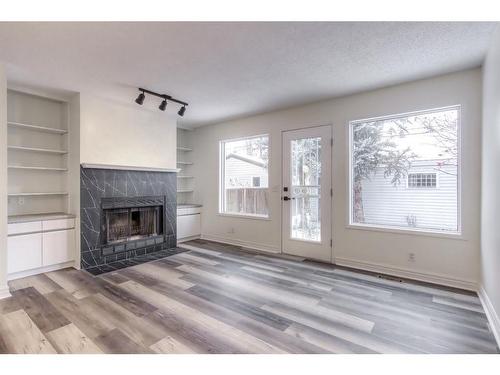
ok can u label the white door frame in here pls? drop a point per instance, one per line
(322, 250)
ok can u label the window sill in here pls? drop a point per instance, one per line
(414, 232)
(240, 216)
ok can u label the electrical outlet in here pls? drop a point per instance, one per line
(411, 257)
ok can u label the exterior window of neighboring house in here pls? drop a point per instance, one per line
(395, 165)
(244, 177)
(422, 180)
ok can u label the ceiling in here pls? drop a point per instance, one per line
(230, 70)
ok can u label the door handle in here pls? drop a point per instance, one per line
(287, 198)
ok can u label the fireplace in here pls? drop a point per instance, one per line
(129, 223)
(127, 217)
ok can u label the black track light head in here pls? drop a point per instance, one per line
(182, 110)
(140, 98)
(163, 105)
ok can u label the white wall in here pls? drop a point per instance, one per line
(490, 216)
(3, 184)
(125, 134)
(445, 260)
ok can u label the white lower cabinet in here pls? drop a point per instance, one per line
(24, 252)
(188, 226)
(51, 246)
(58, 247)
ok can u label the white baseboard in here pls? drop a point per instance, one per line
(408, 274)
(247, 244)
(4, 292)
(36, 271)
(185, 239)
(491, 314)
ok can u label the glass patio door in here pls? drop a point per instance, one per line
(306, 193)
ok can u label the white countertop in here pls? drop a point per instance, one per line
(189, 205)
(39, 217)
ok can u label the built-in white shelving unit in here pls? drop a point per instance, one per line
(38, 130)
(185, 180)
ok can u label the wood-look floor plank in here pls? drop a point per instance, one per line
(132, 303)
(332, 343)
(253, 312)
(116, 342)
(42, 283)
(138, 329)
(8, 305)
(169, 345)
(21, 335)
(89, 321)
(41, 311)
(251, 326)
(240, 340)
(355, 336)
(70, 340)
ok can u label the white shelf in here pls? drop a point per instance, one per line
(37, 168)
(185, 176)
(43, 129)
(36, 194)
(185, 149)
(34, 149)
(185, 191)
(185, 162)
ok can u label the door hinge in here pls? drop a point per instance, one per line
(331, 141)
(331, 192)
(331, 242)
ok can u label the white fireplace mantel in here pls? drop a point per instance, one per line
(129, 168)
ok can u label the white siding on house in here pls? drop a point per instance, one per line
(393, 205)
(239, 173)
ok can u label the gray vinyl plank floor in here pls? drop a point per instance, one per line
(218, 298)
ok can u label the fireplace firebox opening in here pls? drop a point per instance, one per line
(131, 219)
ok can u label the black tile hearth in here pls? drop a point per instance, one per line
(110, 267)
(97, 185)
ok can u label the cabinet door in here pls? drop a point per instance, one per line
(188, 226)
(24, 252)
(58, 247)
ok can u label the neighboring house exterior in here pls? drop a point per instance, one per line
(246, 184)
(429, 187)
(245, 171)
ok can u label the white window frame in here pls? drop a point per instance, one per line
(397, 229)
(222, 178)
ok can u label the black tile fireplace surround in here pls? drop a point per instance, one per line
(139, 207)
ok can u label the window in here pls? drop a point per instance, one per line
(396, 163)
(244, 176)
(422, 180)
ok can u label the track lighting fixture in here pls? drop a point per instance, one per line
(163, 104)
(140, 98)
